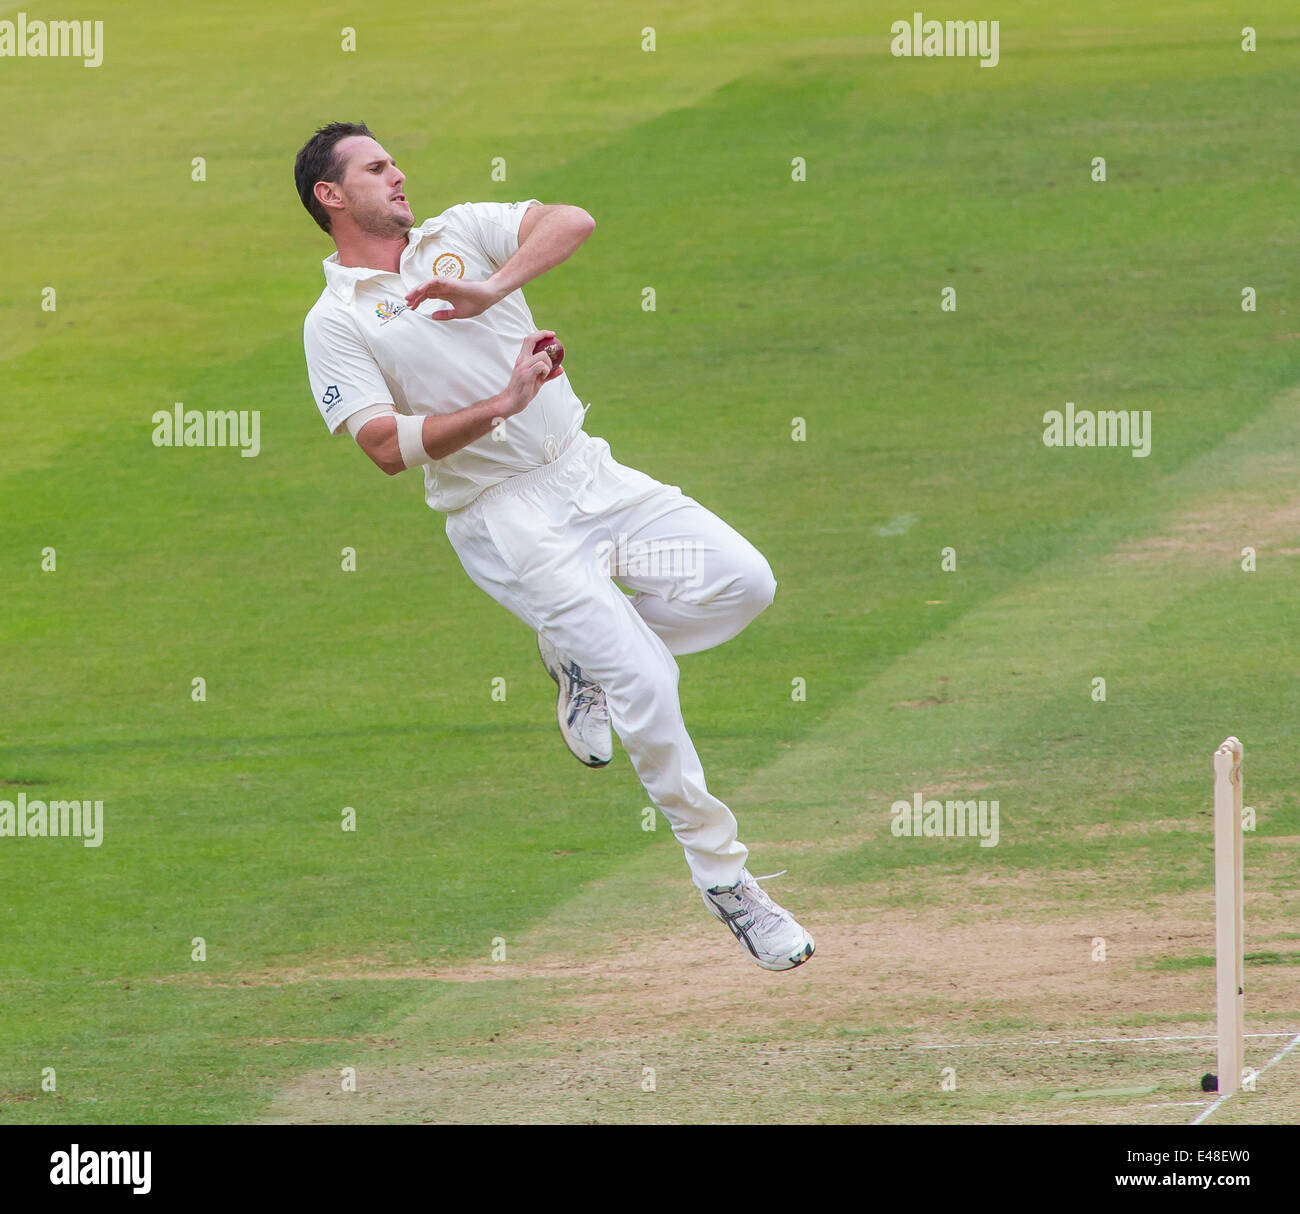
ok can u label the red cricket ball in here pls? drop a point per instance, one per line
(553, 347)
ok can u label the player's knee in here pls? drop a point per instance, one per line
(640, 703)
(757, 585)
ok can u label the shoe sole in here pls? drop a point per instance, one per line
(805, 954)
(561, 718)
(793, 962)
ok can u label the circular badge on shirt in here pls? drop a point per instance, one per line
(449, 265)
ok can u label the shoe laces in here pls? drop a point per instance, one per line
(585, 697)
(768, 917)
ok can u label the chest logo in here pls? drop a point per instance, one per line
(448, 265)
(387, 310)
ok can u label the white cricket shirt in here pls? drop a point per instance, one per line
(366, 347)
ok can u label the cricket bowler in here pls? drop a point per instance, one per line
(422, 347)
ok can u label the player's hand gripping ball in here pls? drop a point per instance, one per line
(553, 347)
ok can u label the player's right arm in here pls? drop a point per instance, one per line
(351, 391)
(396, 442)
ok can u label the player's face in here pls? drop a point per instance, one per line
(372, 188)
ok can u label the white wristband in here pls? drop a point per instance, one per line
(410, 441)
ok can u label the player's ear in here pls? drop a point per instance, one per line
(328, 195)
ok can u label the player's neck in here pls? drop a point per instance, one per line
(370, 250)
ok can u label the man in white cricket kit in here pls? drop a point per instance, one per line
(422, 347)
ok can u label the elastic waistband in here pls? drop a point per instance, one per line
(534, 476)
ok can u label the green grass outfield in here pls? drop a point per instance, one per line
(776, 299)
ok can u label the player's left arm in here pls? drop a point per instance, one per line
(548, 235)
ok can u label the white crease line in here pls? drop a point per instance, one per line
(963, 1045)
(975, 1045)
(1295, 1041)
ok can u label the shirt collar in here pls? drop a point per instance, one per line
(342, 280)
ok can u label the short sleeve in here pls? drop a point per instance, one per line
(494, 227)
(343, 373)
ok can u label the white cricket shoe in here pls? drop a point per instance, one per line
(580, 708)
(768, 931)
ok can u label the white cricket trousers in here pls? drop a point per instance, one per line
(546, 543)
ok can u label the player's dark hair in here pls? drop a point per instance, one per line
(319, 161)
